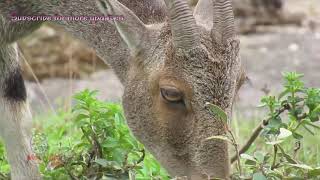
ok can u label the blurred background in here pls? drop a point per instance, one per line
(276, 36)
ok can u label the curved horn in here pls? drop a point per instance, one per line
(183, 25)
(223, 21)
(203, 13)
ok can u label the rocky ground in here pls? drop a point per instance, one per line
(50, 52)
(265, 54)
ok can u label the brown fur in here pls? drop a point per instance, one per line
(175, 133)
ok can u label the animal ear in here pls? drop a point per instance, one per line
(203, 13)
(132, 30)
(223, 29)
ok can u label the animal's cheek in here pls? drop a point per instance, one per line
(140, 116)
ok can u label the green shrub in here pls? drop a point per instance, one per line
(91, 142)
(4, 166)
(293, 116)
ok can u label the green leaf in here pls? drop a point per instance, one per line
(294, 178)
(311, 124)
(317, 109)
(259, 156)
(274, 142)
(314, 173)
(284, 133)
(217, 111)
(110, 143)
(302, 166)
(283, 93)
(248, 157)
(287, 156)
(309, 130)
(224, 138)
(314, 117)
(250, 163)
(275, 123)
(258, 176)
(102, 162)
(275, 174)
(297, 135)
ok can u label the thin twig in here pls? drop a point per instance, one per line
(3, 176)
(257, 132)
(275, 151)
(302, 116)
(236, 148)
(296, 148)
(252, 138)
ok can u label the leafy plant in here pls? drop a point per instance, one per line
(4, 166)
(100, 146)
(94, 142)
(292, 114)
(91, 142)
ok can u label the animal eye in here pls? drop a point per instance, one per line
(171, 94)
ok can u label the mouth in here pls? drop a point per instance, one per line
(193, 177)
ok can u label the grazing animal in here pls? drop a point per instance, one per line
(170, 60)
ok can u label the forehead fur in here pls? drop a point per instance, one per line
(206, 70)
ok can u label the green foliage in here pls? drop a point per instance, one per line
(218, 112)
(91, 142)
(4, 166)
(94, 142)
(292, 115)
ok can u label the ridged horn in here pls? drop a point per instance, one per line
(223, 21)
(203, 13)
(184, 30)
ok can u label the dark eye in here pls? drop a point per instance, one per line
(171, 94)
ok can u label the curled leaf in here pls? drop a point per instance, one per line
(224, 138)
(217, 111)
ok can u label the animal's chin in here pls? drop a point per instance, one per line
(178, 164)
(182, 162)
(192, 173)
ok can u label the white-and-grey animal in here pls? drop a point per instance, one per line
(170, 60)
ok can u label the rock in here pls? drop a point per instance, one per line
(50, 53)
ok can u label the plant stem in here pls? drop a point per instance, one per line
(257, 132)
(252, 138)
(293, 103)
(275, 151)
(3, 176)
(296, 149)
(235, 144)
